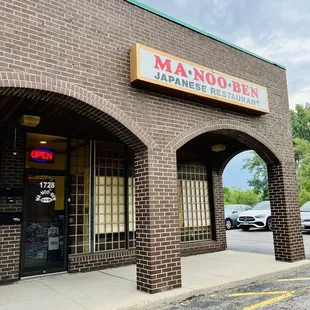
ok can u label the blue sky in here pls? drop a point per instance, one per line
(233, 169)
(277, 30)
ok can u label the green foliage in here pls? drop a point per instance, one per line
(302, 147)
(300, 118)
(259, 182)
(236, 195)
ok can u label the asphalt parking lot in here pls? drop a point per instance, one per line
(288, 291)
(285, 291)
(257, 241)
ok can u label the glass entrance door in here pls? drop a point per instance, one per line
(44, 224)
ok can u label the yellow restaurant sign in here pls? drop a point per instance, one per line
(165, 72)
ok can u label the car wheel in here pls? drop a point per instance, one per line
(245, 228)
(228, 224)
(269, 224)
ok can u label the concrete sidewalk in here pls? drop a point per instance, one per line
(116, 288)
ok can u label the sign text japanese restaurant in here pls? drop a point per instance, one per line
(152, 67)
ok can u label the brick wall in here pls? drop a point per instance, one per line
(88, 46)
(103, 260)
(157, 225)
(12, 174)
(288, 242)
(196, 248)
(9, 253)
(81, 50)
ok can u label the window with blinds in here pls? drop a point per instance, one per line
(193, 196)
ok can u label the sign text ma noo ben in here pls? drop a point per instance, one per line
(155, 68)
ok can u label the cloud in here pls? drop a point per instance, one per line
(293, 14)
(278, 31)
(199, 13)
(294, 53)
(301, 96)
(279, 48)
(181, 3)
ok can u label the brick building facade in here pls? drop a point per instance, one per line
(132, 157)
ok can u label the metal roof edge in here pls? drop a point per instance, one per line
(154, 11)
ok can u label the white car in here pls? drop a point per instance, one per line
(258, 217)
(305, 217)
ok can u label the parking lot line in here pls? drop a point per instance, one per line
(283, 295)
(294, 279)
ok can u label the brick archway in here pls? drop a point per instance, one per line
(249, 136)
(77, 99)
(288, 242)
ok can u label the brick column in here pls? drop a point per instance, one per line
(285, 212)
(12, 175)
(157, 222)
(9, 253)
(219, 212)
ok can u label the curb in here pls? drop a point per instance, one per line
(165, 301)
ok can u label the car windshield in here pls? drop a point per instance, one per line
(264, 205)
(305, 207)
(230, 208)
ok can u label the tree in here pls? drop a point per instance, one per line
(236, 195)
(227, 196)
(302, 147)
(300, 118)
(258, 168)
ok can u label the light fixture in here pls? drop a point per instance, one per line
(30, 120)
(218, 147)
(43, 142)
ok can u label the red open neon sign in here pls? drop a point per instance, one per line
(42, 156)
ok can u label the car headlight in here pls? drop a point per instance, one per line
(260, 216)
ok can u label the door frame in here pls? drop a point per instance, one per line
(35, 171)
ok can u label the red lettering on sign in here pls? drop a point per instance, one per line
(221, 82)
(245, 89)
(254, 92)
(180, 70)
(165, 66)
(46, 156)
(33, 154)
(199, 75)
(210, 78)
(236, 87)
(42, 155)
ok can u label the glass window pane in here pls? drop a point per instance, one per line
(194, 209)
(110, 185)
(79, 204)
